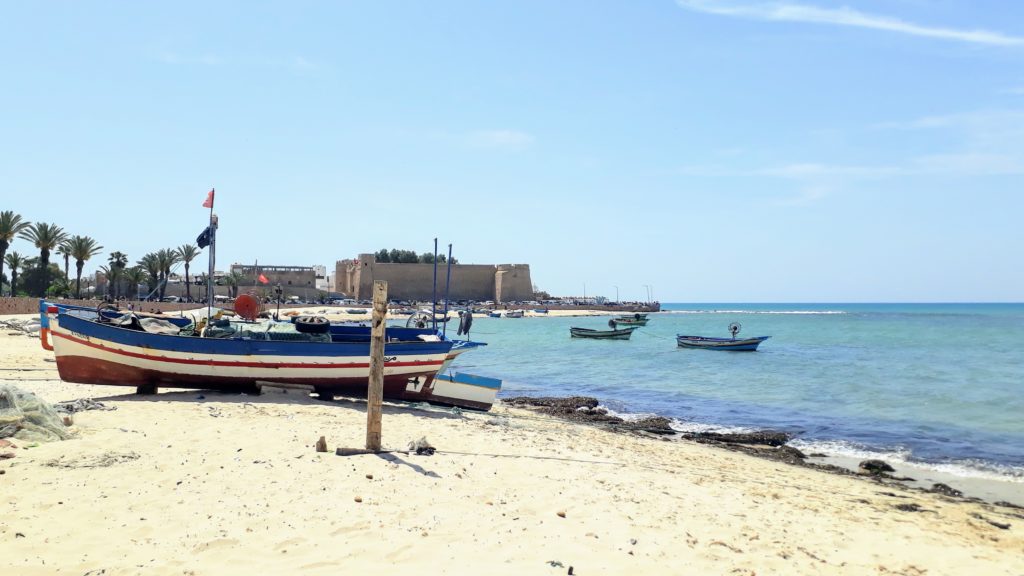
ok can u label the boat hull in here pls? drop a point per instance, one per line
(631, 321)
(622, 334)
(92, 353)
(463, 390)
(726, 344)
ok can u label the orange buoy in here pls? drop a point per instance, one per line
(247, 307)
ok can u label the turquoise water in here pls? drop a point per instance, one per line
(940, 384)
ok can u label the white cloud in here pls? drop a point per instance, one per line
(500, 139)
(967, 164)
(805, 196)
(811, 170)
(844, 16)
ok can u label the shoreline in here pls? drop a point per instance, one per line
(205, 482)
(989, 486)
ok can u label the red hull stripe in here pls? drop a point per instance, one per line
(238, 364)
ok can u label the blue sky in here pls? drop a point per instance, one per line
(741, 150)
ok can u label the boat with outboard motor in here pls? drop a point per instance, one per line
(615, 333)
(728, 344)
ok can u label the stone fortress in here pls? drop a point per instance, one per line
(480, 282)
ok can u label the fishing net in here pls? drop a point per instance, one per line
(25, 417)
(277, 331)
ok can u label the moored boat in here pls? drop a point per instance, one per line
(614, 334)
(708, 343)
(734, 344)
(635, 320)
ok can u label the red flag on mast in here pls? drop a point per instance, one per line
(209, 200)
(263, 279)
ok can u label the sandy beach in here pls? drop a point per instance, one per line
(197, 482)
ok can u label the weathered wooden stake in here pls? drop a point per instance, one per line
(375, 393)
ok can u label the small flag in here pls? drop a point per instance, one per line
(204, 239)
(209, 200)
(263, 279)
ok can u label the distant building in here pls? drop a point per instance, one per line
(294, 280)
(500, 283)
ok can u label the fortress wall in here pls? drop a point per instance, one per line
(512, 282)
(478, 282)
(415, 281)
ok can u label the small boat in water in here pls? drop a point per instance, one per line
(632, 320)
(613, 334)
(730, 344)
(708, 343)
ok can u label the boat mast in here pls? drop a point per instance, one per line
(433, 304)
(209, 276)
(447, 291)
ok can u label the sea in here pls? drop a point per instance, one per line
(936, 386)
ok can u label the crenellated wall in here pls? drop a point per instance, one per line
(502, 283)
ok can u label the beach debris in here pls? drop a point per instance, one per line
(25, 417)
(321, 444)
(6, 444)
(104, 460)
(358, 499)
(560, 513)
(570, 571)
(80, 405)
(585, 409)
(555, 564)
(67, 420)
(875, 467)
(910, 507)
(421, 446)
(6, 455)
(940, 488)
(999, 525)
(28, 326)
(762, 437)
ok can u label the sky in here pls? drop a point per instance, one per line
(713, 151)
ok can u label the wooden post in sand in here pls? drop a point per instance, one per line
(375, 393)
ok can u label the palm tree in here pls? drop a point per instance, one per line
(152, 267)
(188, 253)
(10, 226)
(232, 279)
(166, 258)
(15, 261)
(46, 237)
(136, 275)
(118, 260)
(82, 248)
(64, 251)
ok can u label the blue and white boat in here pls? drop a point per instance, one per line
(91, 350)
